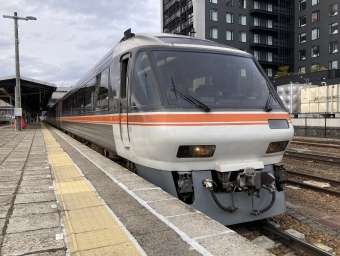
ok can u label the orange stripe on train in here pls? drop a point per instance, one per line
(183, 119)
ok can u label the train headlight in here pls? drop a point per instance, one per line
(196, 151)
(275, 147)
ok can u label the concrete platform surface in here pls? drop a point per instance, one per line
(58, 197)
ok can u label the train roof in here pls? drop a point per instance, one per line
(170, 40)
(157, 40)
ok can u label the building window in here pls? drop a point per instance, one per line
(214, 33)
(229, 3)
(302, 38)
(269, 56)
(213, 14)
(315, 33)
(269, 72)
(256, 55)
(302, 55)
(315, 51)
(229, 18)
(333, 65)
(302, 5)
(269, 24)
(243, 37)
(302, 70)
(333, 10)
(213, 1)
(269, 7)
(333, 28)
(256, 22)
(315, 16)
(333, 47)
(242, 4)
(314, 2)
(256, 5)
(256, 38)
(269, 40)
(229, 35)
(243, 19)
(302, 21)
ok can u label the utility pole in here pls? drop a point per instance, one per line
(17, 109)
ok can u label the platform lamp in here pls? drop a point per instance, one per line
(17, 109)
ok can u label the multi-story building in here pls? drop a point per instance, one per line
(316, 34)
(263, 28)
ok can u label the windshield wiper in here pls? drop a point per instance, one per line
(188, 98)
(268, 106)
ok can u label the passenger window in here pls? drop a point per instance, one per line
(90, 95)
(114, 87)
(102, 92)
(143, 87)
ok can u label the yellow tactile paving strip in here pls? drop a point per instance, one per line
(90, 228)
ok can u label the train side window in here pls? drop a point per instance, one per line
(143, 87)
(81, 96)
(90, 95)
(124, 80)
(102, 92)
(114, 87)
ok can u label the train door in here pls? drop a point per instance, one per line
(123, 113)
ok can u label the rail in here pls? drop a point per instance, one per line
(329, 160)
(293, 242)
(316, 178)
(324, 190)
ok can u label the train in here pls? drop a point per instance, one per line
(196, 118)
(4, 119)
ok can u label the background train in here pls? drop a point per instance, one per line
(4, 119)
(196, 118)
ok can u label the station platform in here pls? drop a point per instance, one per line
(59, 197)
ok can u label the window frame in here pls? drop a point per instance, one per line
(301, 19)
(302, 69)
(330, 8)
(302, 42)
(330, 47)
(317, 33)
(243, 4)
(240, 19)
(317, 14)
(211, 32)
(231, 17)
(231, 33)
(302, 5)
(213, 1)
(302, 54)
(315, 2)
(318, 51)
(231, 3)
(240, 36)
(330, 28)
(212, 12)
(331, 66)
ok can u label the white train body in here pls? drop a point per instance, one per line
(213, 134)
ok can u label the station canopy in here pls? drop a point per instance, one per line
(35, 94)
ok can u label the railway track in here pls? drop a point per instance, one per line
(330, 160)
(292, 241)
(313, 144)
(316, 178)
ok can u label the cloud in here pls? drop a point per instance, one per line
(69, 37)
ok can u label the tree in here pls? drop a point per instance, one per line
(317, 68)
(283, 72)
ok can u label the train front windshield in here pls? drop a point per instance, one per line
(217, 80)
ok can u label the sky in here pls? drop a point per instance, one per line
(69, 36)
